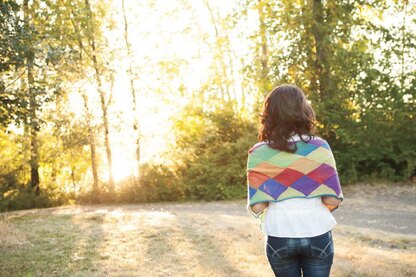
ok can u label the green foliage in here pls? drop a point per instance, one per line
(12, 48)
(11, 163)
(23, 197)
(211, 155)
(353, 69)
(219, 173)
(58, 162)
(157, 183)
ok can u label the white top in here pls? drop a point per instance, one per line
(297, 217)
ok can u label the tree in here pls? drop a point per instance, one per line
(136, 122)
(98, 66)
(31, 120)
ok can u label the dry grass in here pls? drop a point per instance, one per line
(9, 236)
(189, 239)
(365, 252)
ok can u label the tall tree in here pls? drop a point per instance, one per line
(320, 31)
(78, 17)
(136, 122)
(32, 121)
(98, 67)
(263, 53)
(92, 144)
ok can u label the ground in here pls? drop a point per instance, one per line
(375, 236)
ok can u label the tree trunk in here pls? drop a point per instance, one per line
(91, 136)
(91, 140)
(231, 67)
(265, 85)
(225, 90)
(32, 117)
(102, 100)
(320, 34)
(106, 131)
(136, 122)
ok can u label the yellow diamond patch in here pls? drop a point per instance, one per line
(331, 161)
(322, 189)
(289, 192)
(304, 165)
(320, 154)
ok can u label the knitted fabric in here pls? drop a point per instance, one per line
(274, 175)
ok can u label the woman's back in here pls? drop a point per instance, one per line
(293, 186)
(297, 217)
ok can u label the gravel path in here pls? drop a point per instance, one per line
(379, 207)
(375, 207)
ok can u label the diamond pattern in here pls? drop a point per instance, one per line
(264, 152)
(275, 175)
(321, 173)
(333, 183)
(322, 189)
(304, 165)
(290, 193)
(319, 155)
(283, 159)
(269, 169)
(253, 162)
(288, 176)
(261, 196)
(272, 188)
(251, 191)
(305, 185)
(331, 161)
(255, 179)
(319, 142)
(305, 148)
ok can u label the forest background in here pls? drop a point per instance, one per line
(142, 101)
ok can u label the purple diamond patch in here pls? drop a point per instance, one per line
(305, 185)
(333, 183)
(273, 188)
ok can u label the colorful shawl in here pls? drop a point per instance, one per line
(274, 175)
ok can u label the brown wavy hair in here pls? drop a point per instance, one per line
(286, 112)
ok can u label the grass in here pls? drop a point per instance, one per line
(172, 239)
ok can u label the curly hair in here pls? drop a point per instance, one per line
(286, 112)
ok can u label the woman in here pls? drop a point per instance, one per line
(293, 186)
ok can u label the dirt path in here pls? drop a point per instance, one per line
(367, 206)
(198, 239)
(379, 208)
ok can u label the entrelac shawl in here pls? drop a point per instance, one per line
(274, 175)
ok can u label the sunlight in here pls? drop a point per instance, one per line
(163, 70)
(123, 168)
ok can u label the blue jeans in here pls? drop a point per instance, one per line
(312, 256)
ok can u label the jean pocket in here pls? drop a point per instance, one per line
(276, 248)
(322, 246)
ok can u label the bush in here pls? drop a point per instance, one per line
(156, 183)
(23, 197)
(211, 157)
